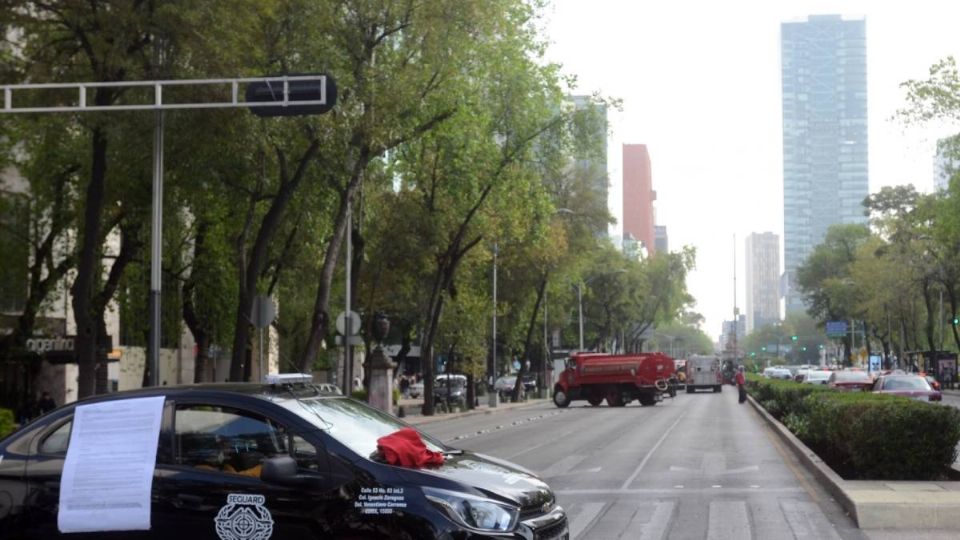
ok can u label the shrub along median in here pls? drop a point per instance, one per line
(865, 436)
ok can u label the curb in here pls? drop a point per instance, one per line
(420, 419)
(824, 474)
(876, 504)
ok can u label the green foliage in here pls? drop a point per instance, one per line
(6, 422)
(865, 435)
(359, 395)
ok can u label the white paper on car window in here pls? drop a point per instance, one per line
(108, 472)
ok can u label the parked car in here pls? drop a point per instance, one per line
(816, 376)
(778, 373)
(850, 380)
(251, 461)
(451, 389)
(504, 384)
(416, 389)
(911, 386)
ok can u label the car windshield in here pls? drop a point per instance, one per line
(818, 375)
(453, 383)
(355, 424)
(906, 383)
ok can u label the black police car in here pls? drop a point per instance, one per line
(283, 461)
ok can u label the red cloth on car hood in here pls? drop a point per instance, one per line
(406, 449)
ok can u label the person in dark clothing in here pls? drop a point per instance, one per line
(46, 403)
(741, 384)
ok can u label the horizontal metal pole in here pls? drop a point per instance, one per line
(182, 82)
(229, 101)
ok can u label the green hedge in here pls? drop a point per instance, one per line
(866, 436)
(6, 422)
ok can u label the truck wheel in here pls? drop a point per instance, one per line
(690, 389)
(614, 399)
(647, 400)
(560, 398)
(718, 388)
(595, 400)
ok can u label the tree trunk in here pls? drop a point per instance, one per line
(201, 370)
(88, 266)
(518, 385)
(240, 362)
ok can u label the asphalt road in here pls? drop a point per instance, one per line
(697, 466)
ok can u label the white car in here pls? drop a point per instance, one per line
(416, 389)
(330, 388)
(777, 373)
(816, 376)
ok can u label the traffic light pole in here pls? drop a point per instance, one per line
(286, 95)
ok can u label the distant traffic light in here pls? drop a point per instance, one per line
(804, 349)
(752, 354)
(956, 321)
(764, 348)
(793, 338)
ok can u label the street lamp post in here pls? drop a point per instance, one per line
(492, 370)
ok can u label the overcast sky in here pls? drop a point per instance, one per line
(700, 84)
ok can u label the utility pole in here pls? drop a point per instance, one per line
(736, 311)
(492, 369)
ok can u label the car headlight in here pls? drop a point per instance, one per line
(474, 512)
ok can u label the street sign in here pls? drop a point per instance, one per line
(354, 340)
(342, 323)
(836, 328)
(263, 311)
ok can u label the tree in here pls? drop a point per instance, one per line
(824, 277)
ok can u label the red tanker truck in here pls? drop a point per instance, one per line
(618, 378)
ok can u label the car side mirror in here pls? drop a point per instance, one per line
(279, 470)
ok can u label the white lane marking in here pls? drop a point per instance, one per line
(650, 453)
(672, 490)
(656, 528)
(562, 466)
(806, 520)
(580, 523)
(729, 520)
(592, 470)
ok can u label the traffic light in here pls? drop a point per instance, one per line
(764, 348)
(956, 321)
(271, 90)
(804, 349)
(793, 338)
(752, 354)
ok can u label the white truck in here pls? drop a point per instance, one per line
(704, 372)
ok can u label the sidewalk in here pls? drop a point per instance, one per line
(880, 504)
(413, 416)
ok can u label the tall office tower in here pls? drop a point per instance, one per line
(638, 196)
(594, 164)
(763, 280)
(946, 163)
(825, 177)
(661, 242)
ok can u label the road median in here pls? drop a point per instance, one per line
(879, 504)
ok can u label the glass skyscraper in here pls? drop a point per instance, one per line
(825, 177)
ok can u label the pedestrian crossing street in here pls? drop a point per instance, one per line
(694, 516)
